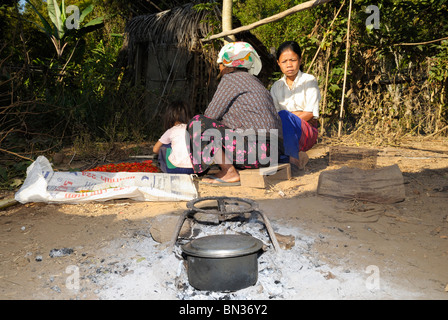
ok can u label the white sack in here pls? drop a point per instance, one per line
(42, 184)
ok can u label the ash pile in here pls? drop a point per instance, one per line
(222, 251)
(271, 283)
(156, 270)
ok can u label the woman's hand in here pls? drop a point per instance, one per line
(304, 115)
(307, 116)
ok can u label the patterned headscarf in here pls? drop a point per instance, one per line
(240, 55)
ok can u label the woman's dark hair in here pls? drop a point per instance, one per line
(289, 45)
(176, 111)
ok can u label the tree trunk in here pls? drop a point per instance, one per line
(227, 19)
(281, 15)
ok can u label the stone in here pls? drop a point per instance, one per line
(163, 227)
(286, 242)
(58, 158)
(54, 253)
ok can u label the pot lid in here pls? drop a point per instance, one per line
(222, 246)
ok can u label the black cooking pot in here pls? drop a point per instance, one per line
(222, 262)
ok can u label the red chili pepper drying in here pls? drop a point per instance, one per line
(144, 166)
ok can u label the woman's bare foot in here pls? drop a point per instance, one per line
(294, 162)
(298, 164)
(227, 174)
(303, 160)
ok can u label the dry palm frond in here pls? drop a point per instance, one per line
(182, 26)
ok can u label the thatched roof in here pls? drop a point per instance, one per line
(183, 26)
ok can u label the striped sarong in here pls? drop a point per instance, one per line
(298, 135)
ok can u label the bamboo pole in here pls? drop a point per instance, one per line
(324, 104)
(279, 16)
(325, 37)
(347, 49)
(7, 203)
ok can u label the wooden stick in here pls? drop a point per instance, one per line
(154, 5)
(324, 104)
(341, 112)
(15, 154)
(325, 36)
(7, 203)
(281, 15)
(436, 132)
(420, 43)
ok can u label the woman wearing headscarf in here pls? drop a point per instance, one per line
(240, 126)
(296, 96)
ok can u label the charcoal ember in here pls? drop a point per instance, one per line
(60, 252)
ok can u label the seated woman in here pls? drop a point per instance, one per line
(296, 97)
(241, 108)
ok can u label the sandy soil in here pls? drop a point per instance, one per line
(354, 249)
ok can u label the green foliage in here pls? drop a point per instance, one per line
(439, 67)
(50, 100)
(58, 28)
(383, 70)
(12, 174)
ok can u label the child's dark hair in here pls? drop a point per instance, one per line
(176, 111)
(289, 45)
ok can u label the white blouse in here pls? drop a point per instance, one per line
(176, 136)
(304, 95)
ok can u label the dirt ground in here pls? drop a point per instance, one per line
(402, 246)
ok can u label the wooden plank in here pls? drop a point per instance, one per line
(258, 178)
(381, 185)
(252, 179)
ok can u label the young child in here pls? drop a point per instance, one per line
(172, 147)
